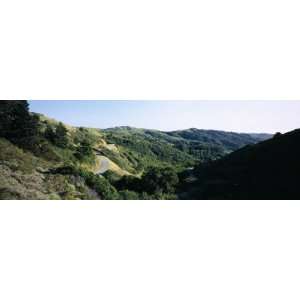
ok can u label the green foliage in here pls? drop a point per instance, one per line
(128, 195)
(50, 133)
(165, 196)
(61, 136)
(102, 187)
(157, 180)
(141, 148)
(17, 158)
(112, 177)
(18, 125)
(229, 141)
(89, 135)
(151, 151)
(154, 157)
(85, 153)
(156, 183)
(139, 151)
(100, 184)
(57, 135)
(146, 196)
(128, 182)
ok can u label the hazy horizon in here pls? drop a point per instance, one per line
(236, 116)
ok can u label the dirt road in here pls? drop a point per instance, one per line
(104, 164)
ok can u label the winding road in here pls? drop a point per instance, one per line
(104, 164)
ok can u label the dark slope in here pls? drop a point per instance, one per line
(267, 170)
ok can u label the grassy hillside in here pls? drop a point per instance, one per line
(267, 170)
(26, 176)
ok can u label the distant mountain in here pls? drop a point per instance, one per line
(267, 170)
(228, 140)
(261, 136)
(182, 148)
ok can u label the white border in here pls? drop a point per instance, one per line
(233, 50)
(149, 250)
(160, 49)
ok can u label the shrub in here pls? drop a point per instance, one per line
(61, 136)
(85, 152)
(128, 183)
(102, 186)
(98, 183)
(157, 180)
(128, 195)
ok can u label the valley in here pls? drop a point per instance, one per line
(42, 158)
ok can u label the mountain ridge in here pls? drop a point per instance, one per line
(42, 157)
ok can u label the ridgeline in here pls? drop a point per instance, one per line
(41, 158)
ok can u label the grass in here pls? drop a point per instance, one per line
(18, 159)
(24, 176)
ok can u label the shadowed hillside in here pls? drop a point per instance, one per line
(267, 170)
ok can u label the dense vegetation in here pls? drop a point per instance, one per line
(31, 145)
(17, 125)
(182, 149)
(41, 158)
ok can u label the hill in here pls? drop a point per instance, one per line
(46, 159)
(141, 148)
(229, 141)
(267, 170)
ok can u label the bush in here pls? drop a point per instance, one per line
(128, 183)
(98, 183)
(85, 152)
(128, 195)
(157, 180)
(61, 136)
(112, 177)
(102, 186)
(50, 133)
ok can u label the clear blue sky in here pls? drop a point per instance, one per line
(239, 116)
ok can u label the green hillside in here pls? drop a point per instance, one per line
(227, 141)
(42, 158)
(182, 149)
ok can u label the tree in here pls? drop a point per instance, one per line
(18, 125)
(128, 183)
(277, 135)
(85, 152)
(158, 180)
(61, 136)
(102, 186)
(57, 136)
(50, 134)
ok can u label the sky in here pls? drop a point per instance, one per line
(239, 116)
